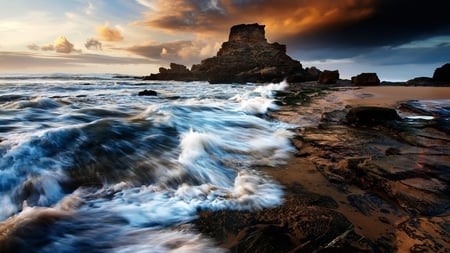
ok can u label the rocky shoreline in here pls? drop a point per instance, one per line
(356, 183)
(247, 57)
(366, 176)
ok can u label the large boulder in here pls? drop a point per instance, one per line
(442, 74)
(329, 77)
(366, 79)
(371, 115)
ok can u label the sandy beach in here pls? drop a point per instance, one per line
(392, 95)
(344, 190)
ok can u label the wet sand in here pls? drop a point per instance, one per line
(390, 96)
(301, 170)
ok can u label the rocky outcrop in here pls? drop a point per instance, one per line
(421, 81)
(442, 74)
(366, 79)
(245, 57)
(175, 72)
(329, 77)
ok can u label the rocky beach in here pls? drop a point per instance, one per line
(246, 151)
(371, 168)
(354, 186)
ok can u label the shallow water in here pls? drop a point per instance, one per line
(88, 165)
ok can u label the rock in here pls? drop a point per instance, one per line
(312, 74)
(329, 77)
(147, 93)
(245, 57)
(371, 115)
(421, 81)
(366, 79)
(247, 33)
(176, 72)
(442, 74)
(305, 223)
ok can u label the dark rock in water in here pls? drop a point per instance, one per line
(366, 79)
(329, 77)
(147, 93)
(245, 57)
(371, 115)
(442, 74)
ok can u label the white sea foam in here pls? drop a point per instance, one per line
(134, 177)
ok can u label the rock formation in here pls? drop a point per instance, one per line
(442, 74)
(245, 57)
(329, 77)
(175, 72)
(366, 79)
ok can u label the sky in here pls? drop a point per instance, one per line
(397, 39)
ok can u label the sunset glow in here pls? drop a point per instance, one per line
(136, 37)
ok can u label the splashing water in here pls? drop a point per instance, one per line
(87, 165)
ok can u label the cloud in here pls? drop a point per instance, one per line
(89, 9)
(108, 33)
(168, 51)
(348, 25)
(184, 51)
(93, 44)
(36, 61)
(62, 45)
(33, 47)
(292, 16)
(48, 47)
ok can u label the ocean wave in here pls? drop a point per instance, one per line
(111, 171)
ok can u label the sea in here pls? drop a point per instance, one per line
(88, 165)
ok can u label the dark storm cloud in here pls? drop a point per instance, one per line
(327, 26)
(391, 23)
(280, 16)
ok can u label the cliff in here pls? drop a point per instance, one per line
(245, 57)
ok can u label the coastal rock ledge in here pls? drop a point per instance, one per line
(245, 57)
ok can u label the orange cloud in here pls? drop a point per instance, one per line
(281, 17)
(108, 33)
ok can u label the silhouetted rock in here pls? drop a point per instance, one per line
(245, 57)
(329, 77)
(421, 81)
(147, 93)
(442, 74)
(176, 72)
(366, 79)
(371, 115)
(312, 73)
